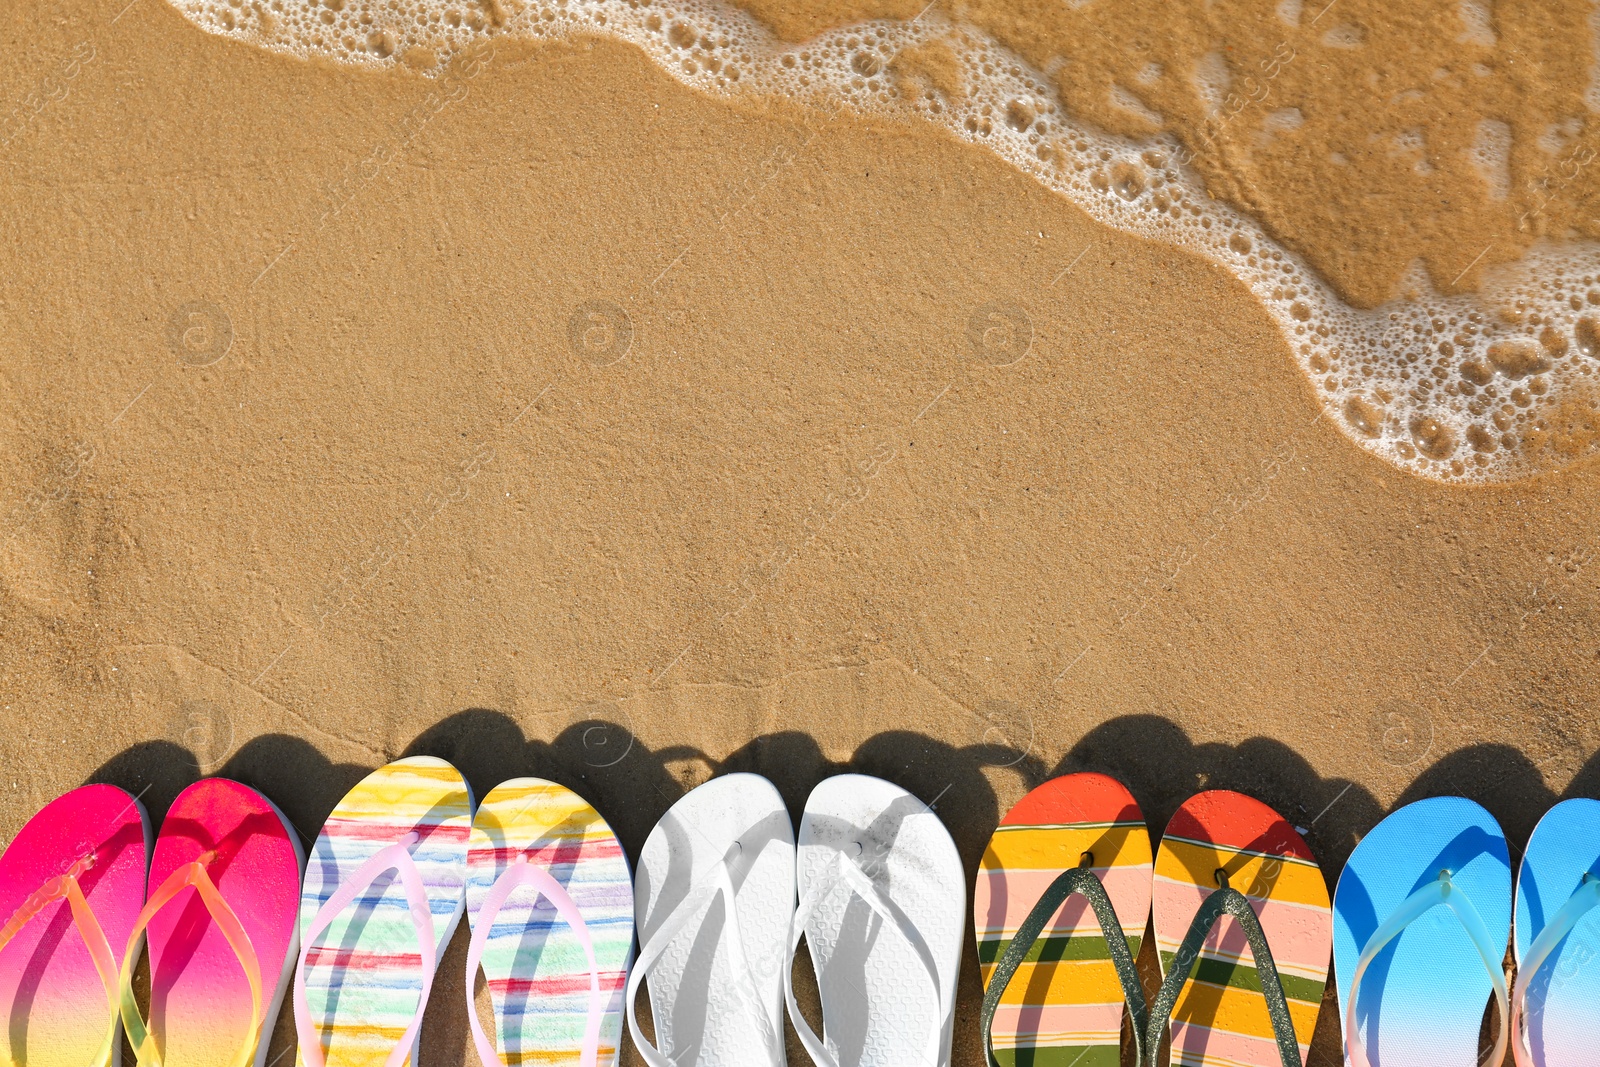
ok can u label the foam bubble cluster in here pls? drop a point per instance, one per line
(1477, 388)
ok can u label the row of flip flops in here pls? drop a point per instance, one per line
(1417, 932)
(233, 918)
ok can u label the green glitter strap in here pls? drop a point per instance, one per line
(1083, 881)
(1225, 901)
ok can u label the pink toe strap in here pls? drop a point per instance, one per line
(521, 873)
(397, 858)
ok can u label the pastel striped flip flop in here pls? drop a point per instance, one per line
(714, 895)
(1421, 918)
(1243, 928)
(1060, 908)
(550, 900)
(382, 895)
(71, 886)
(221, 929)
(1554, 1018)
(883, 901)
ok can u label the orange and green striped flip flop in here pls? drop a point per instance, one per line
(1245, 933)
(1060, 907)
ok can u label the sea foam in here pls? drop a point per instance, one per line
(1482, 387)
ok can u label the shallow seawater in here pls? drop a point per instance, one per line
(1405, 192)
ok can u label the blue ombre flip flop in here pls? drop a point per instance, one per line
(1555, 1005)
(1420, 922)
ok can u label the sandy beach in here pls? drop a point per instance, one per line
(545, 414)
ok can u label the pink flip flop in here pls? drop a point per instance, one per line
(71, 885)
(225, 890)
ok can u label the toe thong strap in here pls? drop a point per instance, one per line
(1441, 892)
(845, 870)
(1581, 903)
(521, 873)
(192, 876)
(1081, 880)
(1225, 901)
(66, 887)
(717, 880)
(397, 858)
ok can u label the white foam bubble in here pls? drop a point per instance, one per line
(1466, 388)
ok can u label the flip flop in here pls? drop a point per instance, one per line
(714, 895)
(1060, 907)
(1553, 1018)
(221, 929)
(71, 886)
(550, 900)
(382, 895)
(1421, 918)
(882, 906)
(1244, 932)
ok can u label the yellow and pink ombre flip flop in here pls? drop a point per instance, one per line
(220, 928)
(71, 885)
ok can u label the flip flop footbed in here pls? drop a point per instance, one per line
(1423, 997)
(534, 962)
(1065, 1003)
(54, 1007)
(704, 1003)
(879, 1002)
(1562, 1013)
(1221, 1019)
(200, 1000)
(363, 974)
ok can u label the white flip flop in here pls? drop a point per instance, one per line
(883, 902)
(723, 852)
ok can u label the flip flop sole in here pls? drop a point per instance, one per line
(364, 973)
(1065, 1003)
(1423, 997)
(697, 997)
(200, 999)
(53, 1006)
(537, 971)
(1563, 1020)
(877, 1005)
(1221, 1018)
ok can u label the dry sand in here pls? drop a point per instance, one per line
(804, 523)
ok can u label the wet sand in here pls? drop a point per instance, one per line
(1370, 137)
(584, 426)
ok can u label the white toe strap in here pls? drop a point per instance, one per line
(845, 870)
(1440, 893)
(717, 880)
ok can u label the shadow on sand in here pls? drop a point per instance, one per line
(633, 786)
